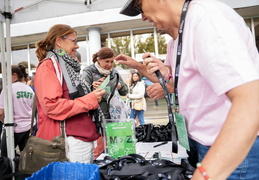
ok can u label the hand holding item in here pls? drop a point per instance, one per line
(155, 91)
(96, 84)
(153, 64)
(119, 86)
(99, 93)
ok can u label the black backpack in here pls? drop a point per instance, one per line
(6, 170)
(5, 167)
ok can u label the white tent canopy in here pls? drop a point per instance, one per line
(31, 10)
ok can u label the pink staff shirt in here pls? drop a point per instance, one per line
(218, 54)
(22, 106)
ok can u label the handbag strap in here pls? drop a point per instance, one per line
(62, 123)
(170, 112)
(113, 91)
(33, 112)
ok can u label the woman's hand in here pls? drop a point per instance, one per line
(99, 93)
(153, 64)
(119, 86)
(96, 84)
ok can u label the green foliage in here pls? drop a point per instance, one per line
(162, 45)
(149, 45)
(121, 45)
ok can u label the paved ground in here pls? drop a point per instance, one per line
(154, 114)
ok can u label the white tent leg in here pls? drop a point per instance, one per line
(9, 116)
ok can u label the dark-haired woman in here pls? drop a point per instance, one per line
(96, 73)
(137, 95)
(22, 109)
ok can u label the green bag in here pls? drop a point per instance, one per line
(120, 137)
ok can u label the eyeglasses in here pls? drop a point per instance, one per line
(138, 6)
(73, 39)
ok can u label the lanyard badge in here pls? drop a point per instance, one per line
(180, 125)
(179, 118)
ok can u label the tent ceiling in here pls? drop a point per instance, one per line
(105, 27)
(248, 11)
(82, 31)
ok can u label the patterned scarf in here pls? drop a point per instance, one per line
(74, 80)
(102, 70)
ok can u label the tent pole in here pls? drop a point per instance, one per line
(3, 63)
(9, 116)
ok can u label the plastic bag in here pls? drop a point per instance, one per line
(117, 108)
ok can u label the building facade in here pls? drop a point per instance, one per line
(100, 24)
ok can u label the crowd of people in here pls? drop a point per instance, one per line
(213, 71)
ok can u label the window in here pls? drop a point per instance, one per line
(162, 45)
(19, 56)
(33, 61)
(120, 43)
(143, 42)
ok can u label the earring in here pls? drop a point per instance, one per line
(61, 52)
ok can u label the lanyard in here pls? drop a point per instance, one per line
(162, 82)
(179, 50)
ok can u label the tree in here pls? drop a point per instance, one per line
(121, 45)
(148, 44)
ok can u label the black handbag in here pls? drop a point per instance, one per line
(40, 152)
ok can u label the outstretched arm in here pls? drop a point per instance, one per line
(237, 134)
(147, 69)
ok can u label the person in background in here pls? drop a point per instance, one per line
(63, 96)
(30, 82)
(22, 96)
(96, 73)
(218, 87)
(128, 81)
(137, 95)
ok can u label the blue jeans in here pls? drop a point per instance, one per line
(140, 114)
(247, 170)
